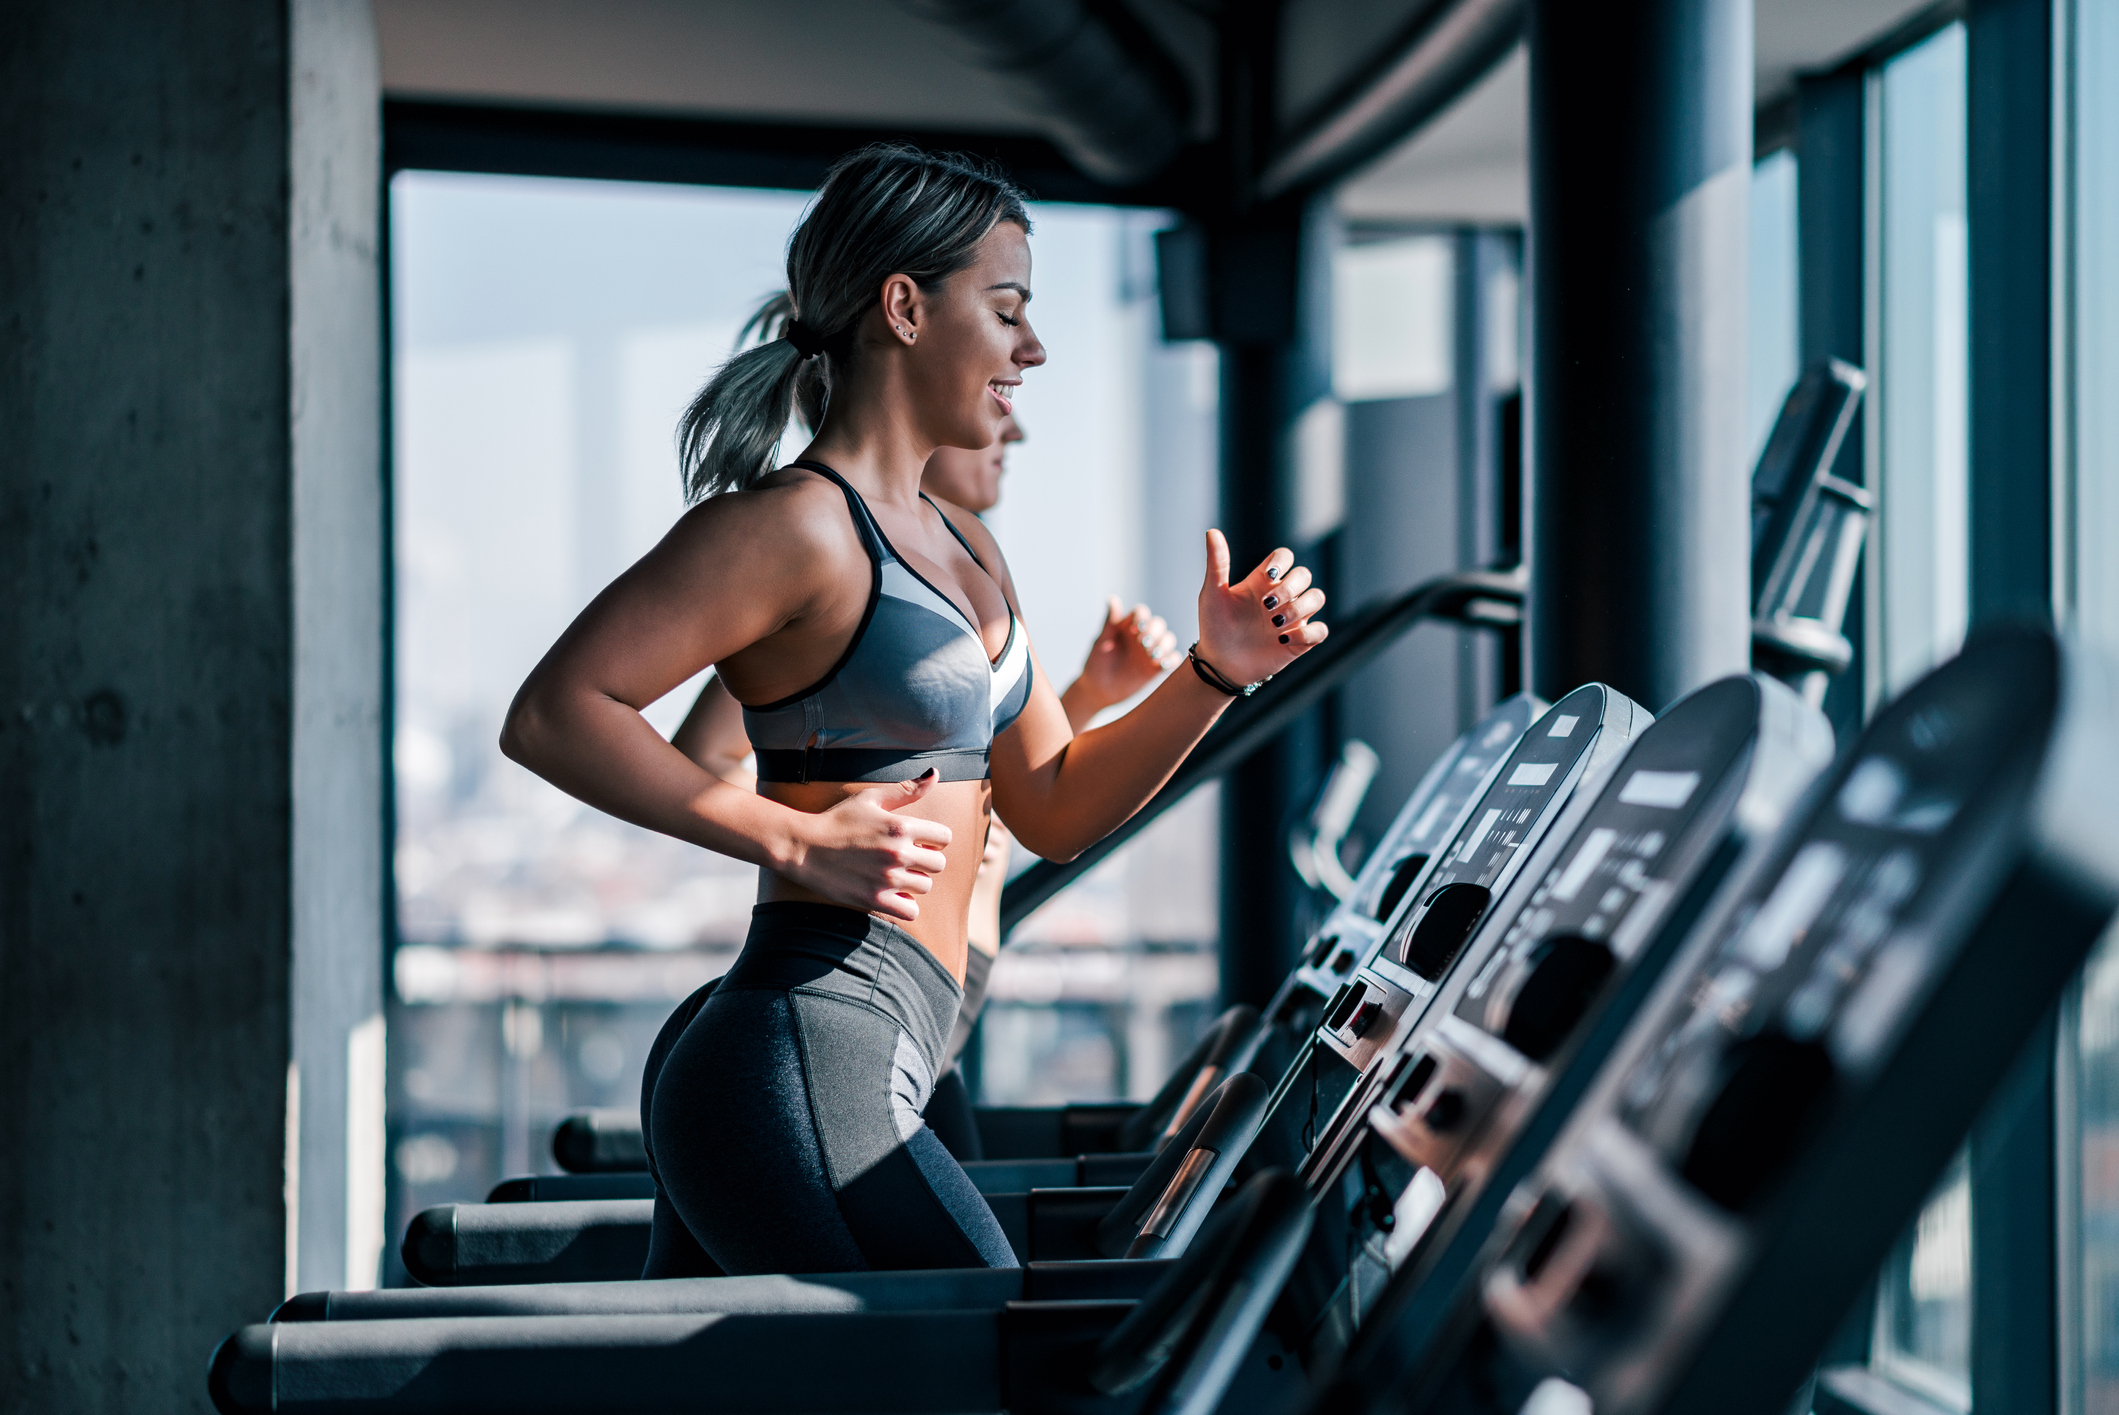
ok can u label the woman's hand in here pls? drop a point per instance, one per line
(1134, 648)
(1252, 629)
(863, 854)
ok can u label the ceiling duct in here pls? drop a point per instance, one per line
(1450, 50)
(1109, 97)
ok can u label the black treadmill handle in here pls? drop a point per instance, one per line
(1487, 599)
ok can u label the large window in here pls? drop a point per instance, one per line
(546, 335)
(1921, 361)
(1919, 583)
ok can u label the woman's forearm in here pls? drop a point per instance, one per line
(603, 752)
(1104, 775)
(1081, 704)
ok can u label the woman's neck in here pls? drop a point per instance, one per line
(868, 440)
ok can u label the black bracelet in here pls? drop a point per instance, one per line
(1213, 677)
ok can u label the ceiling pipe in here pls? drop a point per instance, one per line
(1447, 55)
(1111, 100)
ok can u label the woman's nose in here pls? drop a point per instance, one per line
(1029, 353)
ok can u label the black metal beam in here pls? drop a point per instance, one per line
(1488, 599)
(1108, 94)
(2009, 213)
(632, 147)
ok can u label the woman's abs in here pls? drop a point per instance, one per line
(963, 806)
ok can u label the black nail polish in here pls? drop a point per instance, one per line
(1272, 601)
(1272, 574)
(1283, 638)
(1279, 619)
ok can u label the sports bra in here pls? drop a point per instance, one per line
(913, 690)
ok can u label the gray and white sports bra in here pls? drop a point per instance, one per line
(913, 690)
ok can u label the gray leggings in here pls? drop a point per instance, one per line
(784, 1121)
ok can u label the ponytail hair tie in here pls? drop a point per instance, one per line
(808, 342)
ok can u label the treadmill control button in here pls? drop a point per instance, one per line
(1344, 963)
(1364, 1018)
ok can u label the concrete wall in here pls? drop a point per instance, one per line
(190, 624)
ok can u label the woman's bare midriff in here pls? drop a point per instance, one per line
(963, 806)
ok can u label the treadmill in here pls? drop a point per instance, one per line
(373, 1348)
(1774, 1113)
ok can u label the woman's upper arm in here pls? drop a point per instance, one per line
(732, 571)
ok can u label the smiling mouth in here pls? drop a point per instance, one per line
(998, 389)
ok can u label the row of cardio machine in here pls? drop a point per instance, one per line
(1635, 1046)
(1612, 1101)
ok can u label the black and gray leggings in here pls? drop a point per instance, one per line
(784, 1120)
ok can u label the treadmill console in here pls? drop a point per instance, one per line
(1577, 738)
(1474, 1092)
(1774, 1115)
(1586, 727)
(1349, 933)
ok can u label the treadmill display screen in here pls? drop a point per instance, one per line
(1644, 834)
(1460, 781)
(1542, 763)
(1813, 976)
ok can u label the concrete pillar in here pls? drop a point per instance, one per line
(1640, 156)
(191, 631)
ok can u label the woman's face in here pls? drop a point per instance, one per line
(971, 479)
(974, 341)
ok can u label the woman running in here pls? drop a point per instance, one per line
(1133, 648)
(894, 702)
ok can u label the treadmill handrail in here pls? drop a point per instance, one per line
(1485, 599)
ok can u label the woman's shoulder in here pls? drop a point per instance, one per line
(784, 514)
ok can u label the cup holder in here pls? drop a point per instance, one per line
(1565, 975)
(1772, 1089)
(1402, 876)
(1453, 911)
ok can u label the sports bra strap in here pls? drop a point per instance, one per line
(864, 521)
(957, 533)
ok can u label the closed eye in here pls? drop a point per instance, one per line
(1011, 323)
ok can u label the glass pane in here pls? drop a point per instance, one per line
(2096, 318)
(2092, 1334)
(1924, 1310)
(1102, 990)
(1923, 364)
(1393, 303)
(1773, 308)
(2096, 1182)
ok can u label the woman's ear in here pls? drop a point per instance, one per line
(902, 308)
